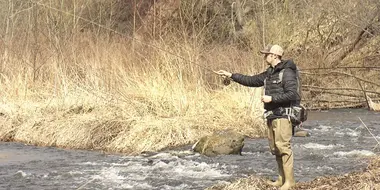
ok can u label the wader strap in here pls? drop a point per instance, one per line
(289, 112)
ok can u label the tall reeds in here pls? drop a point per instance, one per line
(132, 76)
(96, 91)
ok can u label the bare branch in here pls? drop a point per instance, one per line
(332, 89)
(357, 40)
(374, 67)
(378, 143)
(342, 73)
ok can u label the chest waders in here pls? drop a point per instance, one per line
(280, 131)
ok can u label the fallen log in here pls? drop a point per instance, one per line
(375, 106)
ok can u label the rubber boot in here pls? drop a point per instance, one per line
(280, 180)
(289, 178)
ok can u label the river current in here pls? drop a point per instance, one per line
(339, 143)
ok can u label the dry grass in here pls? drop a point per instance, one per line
(368, 179)
(117, 101)
(252, 182)
(69, 79)
(71, 83)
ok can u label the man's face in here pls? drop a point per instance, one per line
(269, 58)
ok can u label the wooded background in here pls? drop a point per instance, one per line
(335, 43)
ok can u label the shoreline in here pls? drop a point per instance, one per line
(344, 181)
(113, 129)
(113, 132)
(367, 179)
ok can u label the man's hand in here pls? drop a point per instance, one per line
(266, 99)
(223, 73)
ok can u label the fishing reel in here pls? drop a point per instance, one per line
(226, 81)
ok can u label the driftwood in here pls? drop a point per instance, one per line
(356, 100)
(311, 88)
(372, 105)
(349, 93)
(366, 57)
(335, 101)
(348, 103)
(331, 68)
(337, 93)
(327, 106)
(342, 73)
(365, 94)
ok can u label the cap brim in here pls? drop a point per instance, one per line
(264, 52)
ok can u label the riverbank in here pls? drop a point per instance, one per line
(367, 179)
(126, 90)
(85, 120)
(338, 155)
(124, 77)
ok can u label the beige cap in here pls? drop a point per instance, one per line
(274, 49)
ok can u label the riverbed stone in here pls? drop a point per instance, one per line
(220, 143)
(4, 156)
(301, 133)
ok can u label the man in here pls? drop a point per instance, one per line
(279, 97)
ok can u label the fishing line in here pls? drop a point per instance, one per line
(121, 34)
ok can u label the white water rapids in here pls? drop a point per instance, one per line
(339, 143)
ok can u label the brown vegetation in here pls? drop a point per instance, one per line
(131, 76)
(368, 179)
(71, 77)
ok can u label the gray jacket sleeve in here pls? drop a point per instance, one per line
(251, 81)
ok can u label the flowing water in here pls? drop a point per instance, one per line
(339, 143)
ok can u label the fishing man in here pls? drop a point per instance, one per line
(281, 93)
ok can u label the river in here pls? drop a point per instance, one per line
(339, 143)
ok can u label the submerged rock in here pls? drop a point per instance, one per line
(221, 143)
(301, 133)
